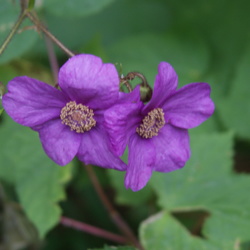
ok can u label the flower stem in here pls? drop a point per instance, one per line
(115, 216)
(127, 84)
(12, 32)
(92, 230)
(52, 58)
(41, 27)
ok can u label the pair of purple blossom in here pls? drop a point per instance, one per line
(90, 119)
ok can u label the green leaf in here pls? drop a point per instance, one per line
(76, 8)
(144, 52)
(162, 231)
(24, 67)
(23, 40)
(233, 107)
(38, 181)
(106, 25)
(211, 160)
(229, 80)
(235, 228)
(31, 4)
(208, 183)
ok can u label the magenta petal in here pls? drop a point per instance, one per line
(141, 162)
(94, 149)
(189, 106)
(85, 79)
(59, 142)
(166, 82)
(31, 102)
(121, 122)
(172, 148)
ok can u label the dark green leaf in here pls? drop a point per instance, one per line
(76, 8)
(15, 228)
(114, 248)
(31, 4)
(144, 52)
(119, 20)
(234, 106)
(126, 196)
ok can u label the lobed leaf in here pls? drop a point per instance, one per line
(162, 231)
(209, 169)
(208, 183)
(39, 182)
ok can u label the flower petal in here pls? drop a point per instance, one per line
(172, 148)
(59, 142)
(166, 82)
(134, 96)
(85, 79)
(141, 162)
(94, 149)
(121, 122)
(189, 106)
(31, 102)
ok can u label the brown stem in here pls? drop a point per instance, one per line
(52, 58)
(92, 230)
(127, 84)
(41, 27)
(12, 32)
(23, 5)
(115, 216)
(131, 76)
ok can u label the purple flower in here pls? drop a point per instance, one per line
(156, 133)
(69, 121)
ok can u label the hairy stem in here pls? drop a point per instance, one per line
(52, 58)
(128, 86)
(41, 27)
(115, 216)
(92, 230)
(12, 32)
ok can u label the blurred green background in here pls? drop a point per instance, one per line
(206, 205)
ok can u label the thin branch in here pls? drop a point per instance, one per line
(127, 84)
(12, 32)
(52, 58)
(92, 230)
(41, 27)
(115, 216)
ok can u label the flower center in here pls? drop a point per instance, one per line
(151, 123)
(78, 117)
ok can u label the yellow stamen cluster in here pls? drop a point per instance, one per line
(151, 123)
(78, 117)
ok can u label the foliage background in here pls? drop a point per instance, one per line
(206, 205)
